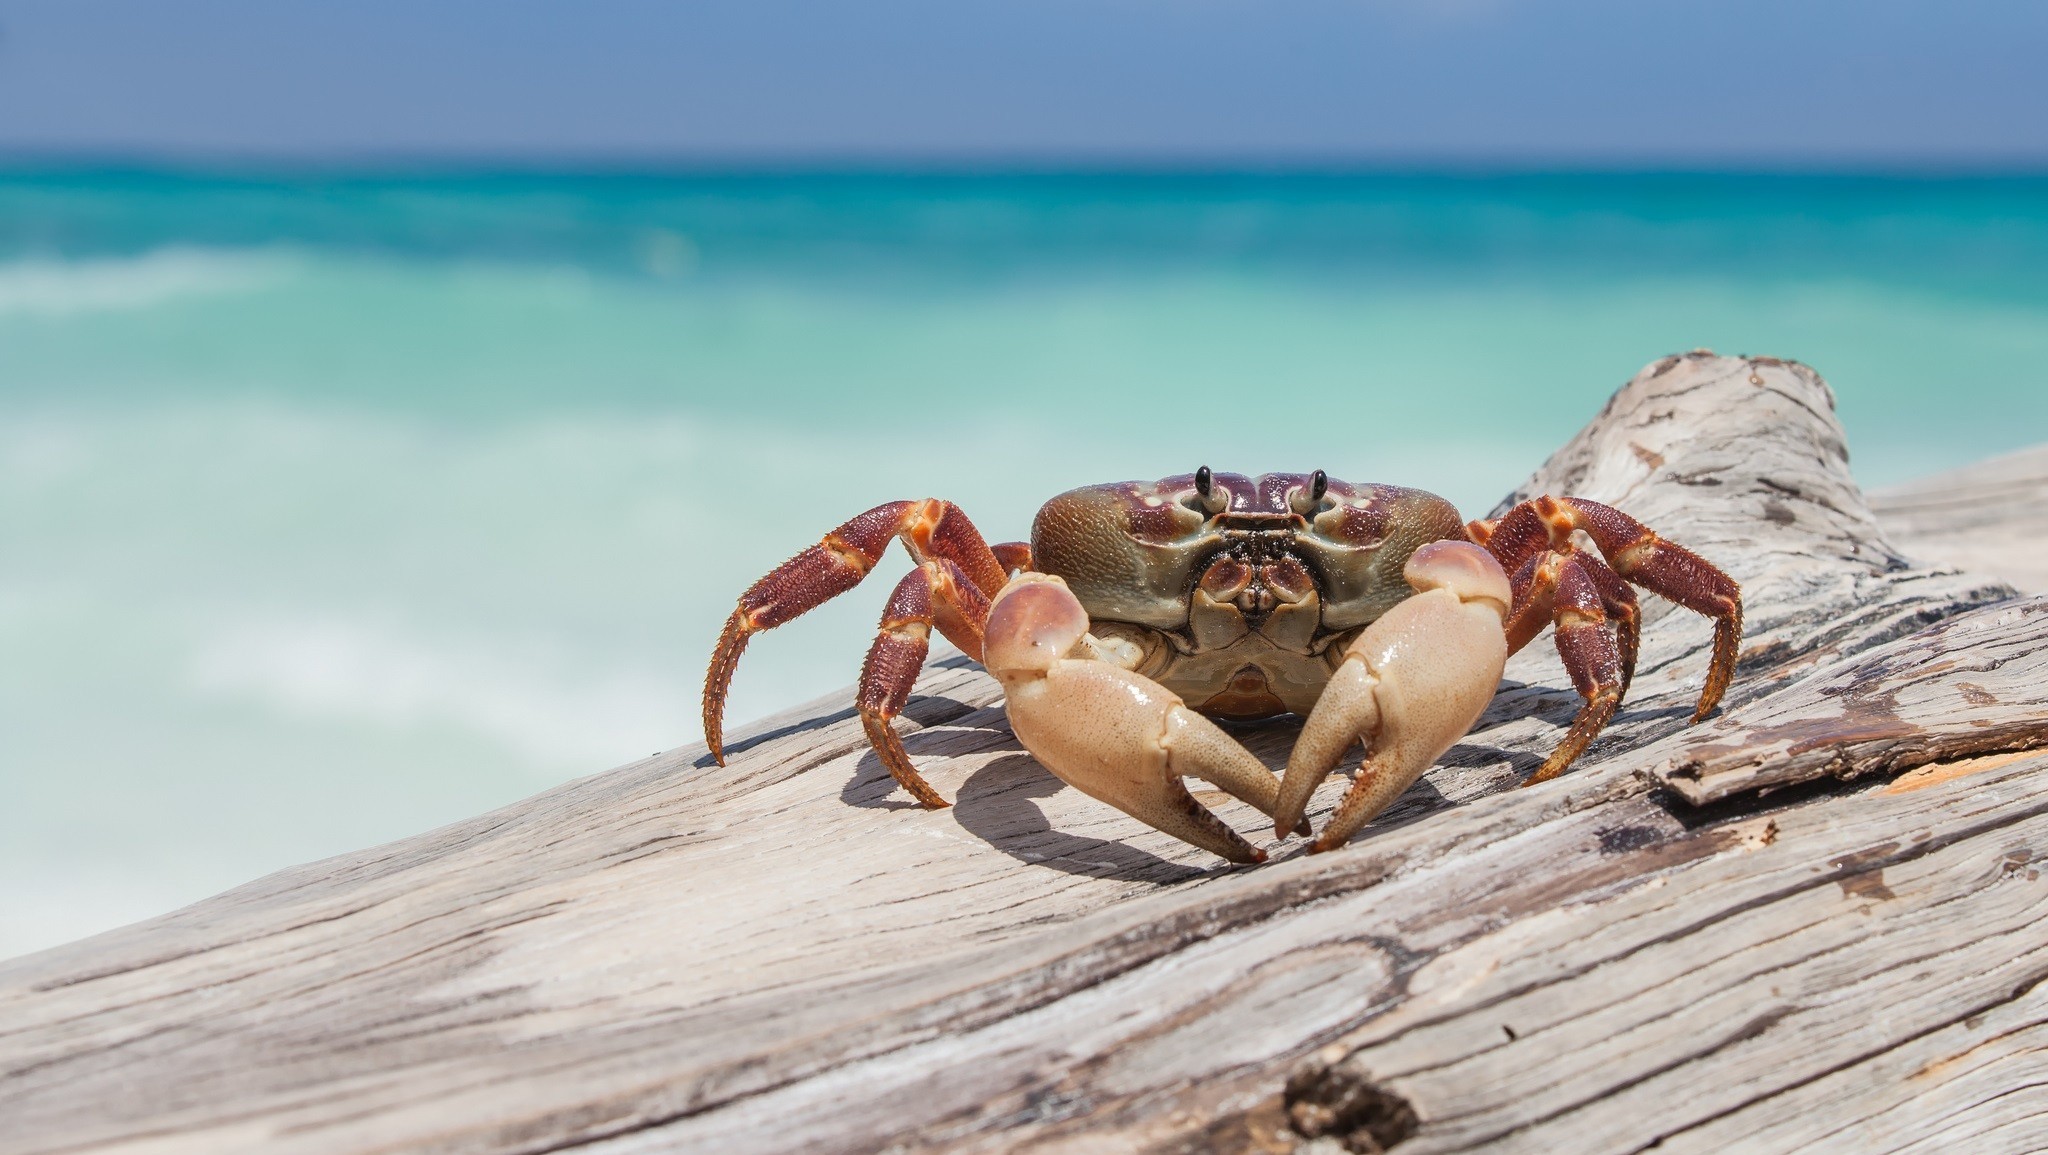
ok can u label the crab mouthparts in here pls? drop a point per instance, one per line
(1257, 521)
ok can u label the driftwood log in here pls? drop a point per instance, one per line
(1812, 923)
(1990, 518)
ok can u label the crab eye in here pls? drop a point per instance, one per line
(1305, 503)
(1206, 500)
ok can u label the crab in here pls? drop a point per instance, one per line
(1141, 614)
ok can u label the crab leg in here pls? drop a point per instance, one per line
(1619, 603)
(930, 529)
(1113, 734)
(1593, 656)
(1584, 598)
(1410, 685)
(1534, 586)
(1636, 553)
(936, 592)
(1013, 556)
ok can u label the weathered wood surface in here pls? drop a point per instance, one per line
(1974, 684)
(784, 955)
(1990, 518)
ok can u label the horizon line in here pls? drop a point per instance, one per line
(1018, 163)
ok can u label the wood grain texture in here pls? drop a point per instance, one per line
(1974, 684)
(1991, 518)
(783, 954)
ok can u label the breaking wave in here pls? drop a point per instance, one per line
(40, 287)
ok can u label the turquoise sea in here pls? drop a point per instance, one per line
(336, 506)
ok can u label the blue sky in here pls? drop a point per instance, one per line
(1604, 81)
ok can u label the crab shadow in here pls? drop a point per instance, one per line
(952, 729)
(996, 805)
(928, 709)
(872, 787)
(808, 722)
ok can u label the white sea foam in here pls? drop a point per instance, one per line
(56, 288)
(36, 452)
(358, 672)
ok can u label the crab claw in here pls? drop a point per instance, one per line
(1411, 685)
(1112, 734)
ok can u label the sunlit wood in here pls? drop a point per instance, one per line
(786, 953)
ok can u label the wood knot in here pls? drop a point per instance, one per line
(1344, 1103)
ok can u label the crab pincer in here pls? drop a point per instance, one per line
(1410, 685)
(1109, 732)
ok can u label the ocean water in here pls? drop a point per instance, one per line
(336, 506)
